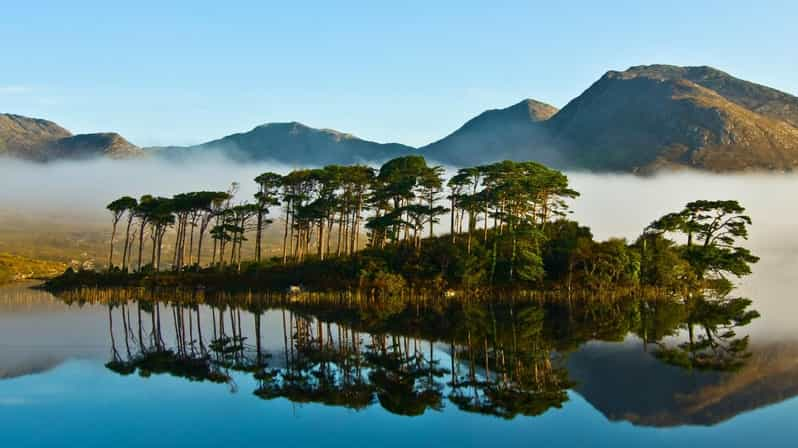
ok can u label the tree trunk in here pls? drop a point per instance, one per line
(191, 243)
(321, 239)
(127, 241)
(451, 224)
(259, 232)
(285, 232)
(359, 211)
(111, 255)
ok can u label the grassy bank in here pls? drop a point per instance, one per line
(16, 267)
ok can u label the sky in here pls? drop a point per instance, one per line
(405, 71)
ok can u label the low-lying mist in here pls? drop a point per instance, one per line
(70, 197)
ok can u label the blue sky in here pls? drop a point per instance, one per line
(387, 71)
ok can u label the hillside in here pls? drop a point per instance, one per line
(754, 97)
(514, 132)
(86, 146)
(15, 267)
(292, 143)
(644, 119)
(23, 137)
(41, 140)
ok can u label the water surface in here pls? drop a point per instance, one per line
(75, 370)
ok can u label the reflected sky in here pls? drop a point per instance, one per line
(83, 403)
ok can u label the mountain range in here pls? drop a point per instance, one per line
(644, 119)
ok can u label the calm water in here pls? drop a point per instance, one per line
(154, 370)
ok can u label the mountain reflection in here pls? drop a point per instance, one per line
(677, 361)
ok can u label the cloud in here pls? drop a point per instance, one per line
(73, 195)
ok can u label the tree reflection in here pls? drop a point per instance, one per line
(712, 340)
(503, 357)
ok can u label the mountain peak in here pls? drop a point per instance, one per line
(533, 109)
(296, 128)
(295, 142)
(761, 99)
(652, 117)
(509, 133)
(664, 72)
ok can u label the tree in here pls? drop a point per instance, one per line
(405, 191)
(210, 204)
(241, 214)
(118, 208)
(267, 196)
(523, 197)
(430, 185)
(712, 229)
(161, 218)
(143, 213)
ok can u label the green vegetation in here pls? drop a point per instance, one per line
(347, 227)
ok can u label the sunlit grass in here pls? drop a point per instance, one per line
(15, 267)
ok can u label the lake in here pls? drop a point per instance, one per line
(169, 368)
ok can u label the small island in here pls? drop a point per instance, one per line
(356, 228)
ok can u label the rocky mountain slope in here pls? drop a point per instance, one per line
(41, 140)
(514, 132)
(648, 118)
(754, 97)
(24, 137)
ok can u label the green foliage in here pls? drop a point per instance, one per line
(712, 229)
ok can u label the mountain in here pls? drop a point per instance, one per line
(510, 133)
(25, 137)
(644, 119)
(86, 146)
(754, 97)
(41, 140)
(653, 117)
(292, 143)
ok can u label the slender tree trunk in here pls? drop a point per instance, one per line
(191, 243)
(330, 221)
(176, 255)
(340, 233)
(259, 232)
(346, 232)
(292, 250)
(321, 239)
(127, 241)
(154, 238)
(199, 245)
(358, 211)
(285, 231)
(452, 229)
(111, 255)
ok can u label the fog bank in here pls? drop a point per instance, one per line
(75, 194)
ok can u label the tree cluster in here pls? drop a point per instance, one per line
(507, 224)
